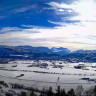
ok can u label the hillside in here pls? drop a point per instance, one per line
(44, 53)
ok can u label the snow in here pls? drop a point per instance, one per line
(37, 77)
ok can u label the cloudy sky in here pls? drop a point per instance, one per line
(51, 23)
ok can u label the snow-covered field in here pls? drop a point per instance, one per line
(37, 74)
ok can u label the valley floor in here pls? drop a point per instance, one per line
(54, 74)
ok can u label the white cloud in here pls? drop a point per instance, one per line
(70, 36)
(16, 29)
(23, 9)
(84, 10)
(73, 36)
(59, 5)
(9, 29)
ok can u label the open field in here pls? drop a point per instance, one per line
(43, 74)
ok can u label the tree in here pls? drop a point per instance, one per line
(94, 91)
(23, 94)
(63, 93)
(42, 92)
(50, 92)
(33, 94)
(58, 91)
(71, 93)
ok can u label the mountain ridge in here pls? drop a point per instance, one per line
(29, 52)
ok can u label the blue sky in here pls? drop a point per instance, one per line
(55, 23)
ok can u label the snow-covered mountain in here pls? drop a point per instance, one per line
(29, 52)
(60, 50)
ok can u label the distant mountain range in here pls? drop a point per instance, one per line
(29, 52)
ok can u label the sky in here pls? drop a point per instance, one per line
(50, 23)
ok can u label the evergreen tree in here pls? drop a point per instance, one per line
(42, 92)
(63, 93)
(23, 94)
(71, 93)
(94, 91)
(58, 91)
(33, 94)
(50, 92)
